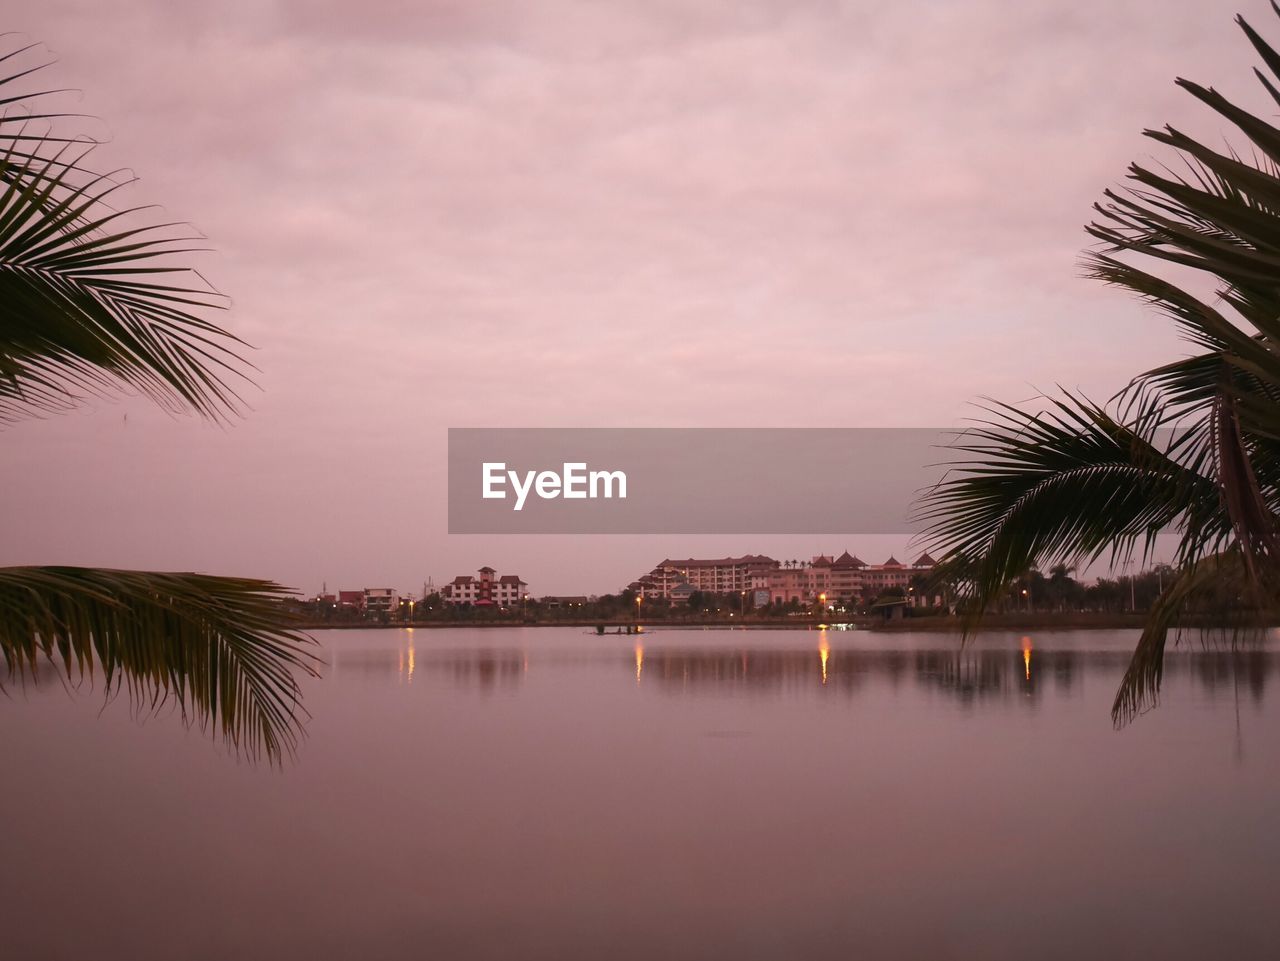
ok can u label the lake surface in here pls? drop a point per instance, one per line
(546, 793)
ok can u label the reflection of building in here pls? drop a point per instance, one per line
(485, 590)
(972, 676)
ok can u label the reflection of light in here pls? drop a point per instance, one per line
(639, 661)
(1026, 656)
(824, 651)
(410, 678)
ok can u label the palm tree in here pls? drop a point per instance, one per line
(1192, 447)
(91, 304)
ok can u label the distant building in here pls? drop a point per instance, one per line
(381, 600)
(843, 579)
(725, 575)
(574, 602)
(487, 590)
(681, 593)
(846, 578)
(351, 600)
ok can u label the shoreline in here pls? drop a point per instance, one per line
(943, 625)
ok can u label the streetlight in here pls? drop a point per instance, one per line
(639, 598)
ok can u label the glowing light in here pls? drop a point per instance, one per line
(1026, 656)
(639, 661)
(824, 652)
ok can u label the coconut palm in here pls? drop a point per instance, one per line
(92, 304)
(1192, 447)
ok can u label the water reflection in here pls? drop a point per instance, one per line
(968, 675)
(485, 669)
(407, 659)
(686, 795)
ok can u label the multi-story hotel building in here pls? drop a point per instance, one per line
(487, 590)
(844, 578)
(725, 575)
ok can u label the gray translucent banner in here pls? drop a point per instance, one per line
(691, 480)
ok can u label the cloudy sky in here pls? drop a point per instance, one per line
(661, 213)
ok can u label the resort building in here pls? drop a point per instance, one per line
(846, 578)
(487, 590)
(843, 579)
(725, 575)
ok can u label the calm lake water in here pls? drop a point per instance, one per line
(545, 793)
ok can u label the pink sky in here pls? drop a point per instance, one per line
(659, 213)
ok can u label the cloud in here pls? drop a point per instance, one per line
(731, 213)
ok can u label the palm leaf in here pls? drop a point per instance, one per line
(1081, 481)
(217, 646)
(1066, 485)
(94, 303)
(23, 126)
(1215, 584)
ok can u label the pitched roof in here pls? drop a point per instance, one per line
(892, 562)
(717, 561)
(924, 560)
(848, 560)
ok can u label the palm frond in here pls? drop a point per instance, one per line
(1219, 584)
(94, 301)
(1066, 485)
(219, 647)
(1079, 481)
(24, 126)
